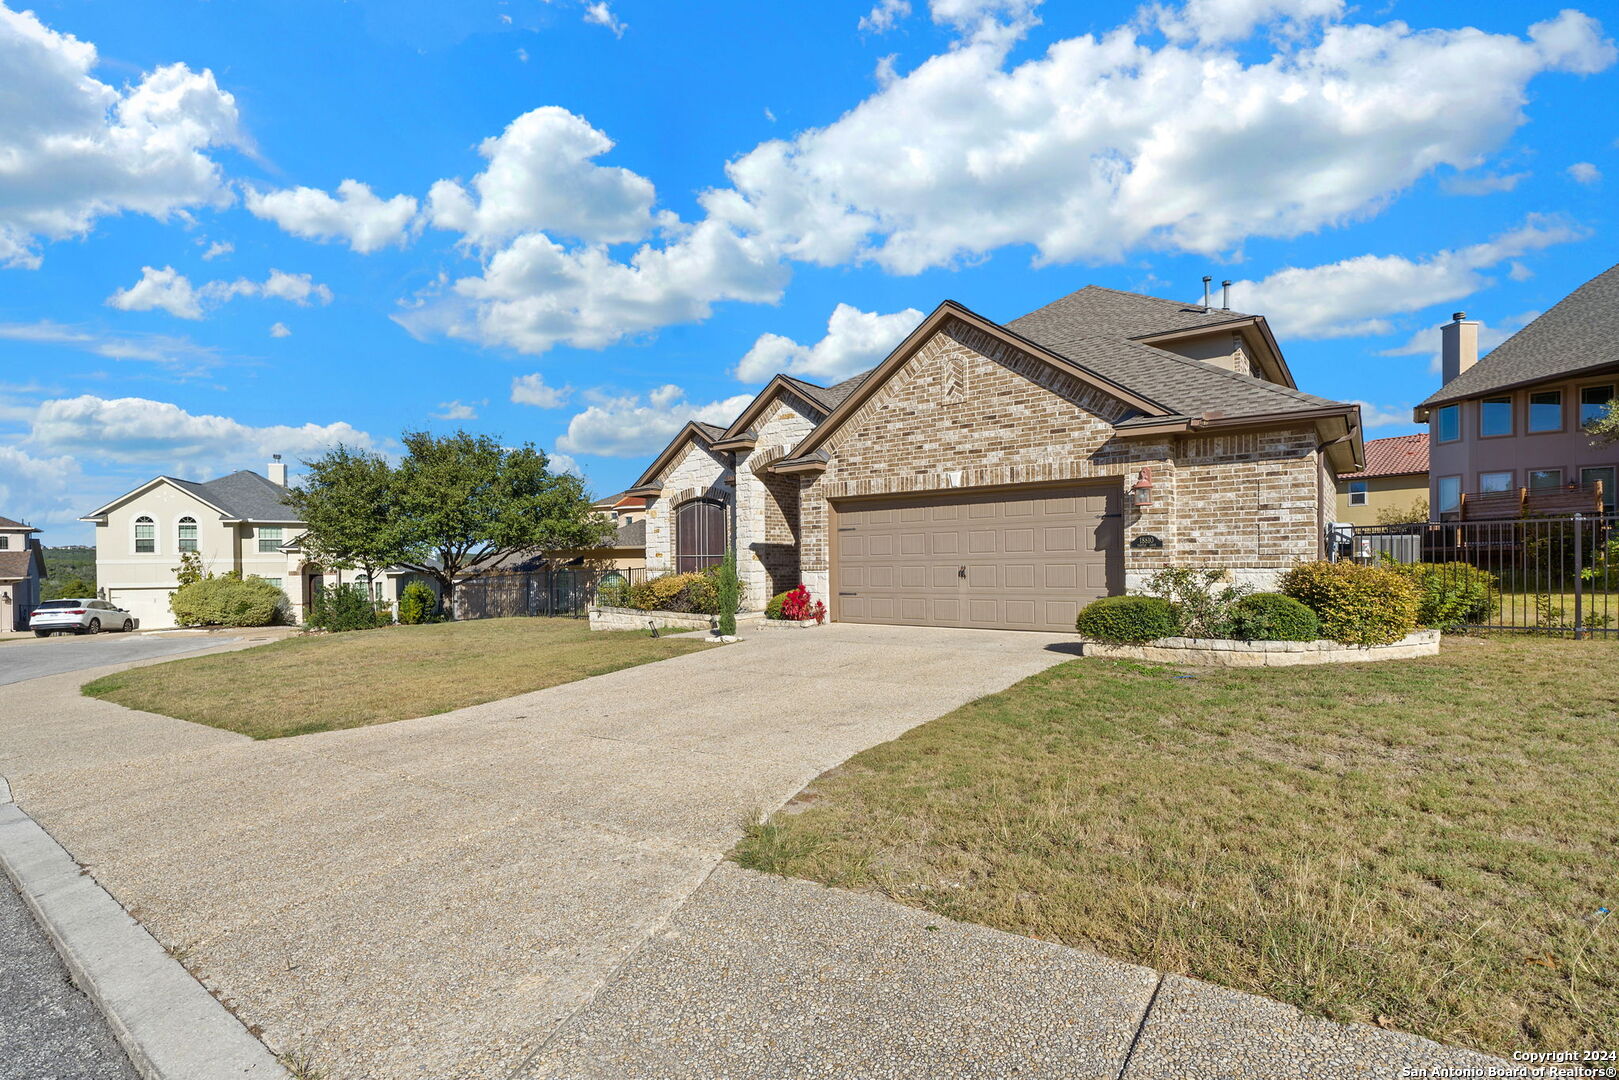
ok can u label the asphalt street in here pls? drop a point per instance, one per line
(48, 1029)
(56, 655)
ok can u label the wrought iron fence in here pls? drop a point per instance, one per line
(1552, 575)
(563, 591)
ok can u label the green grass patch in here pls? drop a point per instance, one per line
(1422, 842)
(331, 681)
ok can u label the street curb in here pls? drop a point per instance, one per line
(169, 1025)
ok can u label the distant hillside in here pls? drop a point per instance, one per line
(65, 564)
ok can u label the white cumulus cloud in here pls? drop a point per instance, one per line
(356, 215)
(456, 410)
(169, 290)
(73, 148)
(1376, 416)
(630, 425)
(32, 489)
(541, 176)
(885, 16)
(854, 341)
(532, 390)
(132, 430)
(1357, 296)
(1584, 172)
(280, 330)
(599, 14)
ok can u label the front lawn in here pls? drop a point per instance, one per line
(330, 681)
(1420, 844)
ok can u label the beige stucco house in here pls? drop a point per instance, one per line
(22, 572)
(1395, 479)
(1510, 427)
(238, 522)
(1002, 476)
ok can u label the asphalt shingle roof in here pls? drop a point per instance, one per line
(631, 535)
(245, 495)
(7, 523)
(15, 563)
(1579, 332)
(1402, 455)
(1094, 328)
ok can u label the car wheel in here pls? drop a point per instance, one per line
(129, 626)
(94, 627)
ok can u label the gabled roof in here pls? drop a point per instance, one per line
(14, 564)
(240, 496)
(1578, 333)
(705, 433)
(9, 524)
(1401, 455)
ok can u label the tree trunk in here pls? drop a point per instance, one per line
(446, 584)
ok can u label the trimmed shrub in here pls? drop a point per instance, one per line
(227, 600)
(1357, 605)
(1270, 616)
(417, 603)
(727, 593)
(1128, 620)
(693, 592)
(1449, 594)
(341, 608)
(773, 608)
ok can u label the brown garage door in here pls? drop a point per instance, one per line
(1025, 559)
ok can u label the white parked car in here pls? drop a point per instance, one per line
(79, 617)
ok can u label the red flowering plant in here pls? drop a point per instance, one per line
(797, 606)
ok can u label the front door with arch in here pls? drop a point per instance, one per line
(700, 535)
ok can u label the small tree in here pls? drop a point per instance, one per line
(351, 508)
(1417, 510)
(190, 569)
(728, 590)
(1605, 428)
(470, 502)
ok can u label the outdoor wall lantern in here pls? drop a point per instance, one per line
(1141, 490)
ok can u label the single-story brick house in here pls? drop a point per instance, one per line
(1002, 476)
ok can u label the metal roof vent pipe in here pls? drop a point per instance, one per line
(1225, 295)
(1206, 279)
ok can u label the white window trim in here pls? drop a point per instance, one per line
(5, 543)
(259, 538)
(179, 541)
(1358, 498)
(157, 533)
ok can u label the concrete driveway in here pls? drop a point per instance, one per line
(436, 897)
(35, 658)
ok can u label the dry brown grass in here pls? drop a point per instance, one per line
(1423, 841)
(330, 681)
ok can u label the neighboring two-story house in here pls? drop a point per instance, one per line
(22, 572)
(1513, 422)
(1394, 483)
(238, 522)
(1003, 475)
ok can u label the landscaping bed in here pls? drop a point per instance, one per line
(1228, 652)
(1421, 845)
(329, 681)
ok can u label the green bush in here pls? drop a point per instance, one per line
(227, 600)
(1128, 620)
(1269, 616)
(613, 591)
(773, 608)
(340, 608)
(417, 603)
(1357, 605)
(692, 592)
(727, 593)
(1202, 610)
(1449, 594)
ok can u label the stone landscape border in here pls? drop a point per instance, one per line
(1222, 652)
(617, 618)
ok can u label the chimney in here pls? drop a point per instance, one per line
(1206, 280)
(278, 471)
(1225, 295)
(1459, 345)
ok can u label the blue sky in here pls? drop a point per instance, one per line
(231, 229)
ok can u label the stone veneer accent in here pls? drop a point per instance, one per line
(968, 410)
(697, 473)
(611, 618)
(767, 504)
(1218, 652)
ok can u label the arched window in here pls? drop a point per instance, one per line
(188, 534)
(699, 535)
(145, 535)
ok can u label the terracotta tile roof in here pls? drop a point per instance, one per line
(1402, 455)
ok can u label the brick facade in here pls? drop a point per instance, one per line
(969, 410)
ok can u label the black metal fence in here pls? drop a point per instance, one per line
(1557, 576)
(565, 591)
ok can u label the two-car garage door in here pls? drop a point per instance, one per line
(1021, 559)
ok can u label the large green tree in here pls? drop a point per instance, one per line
(470, 501)
(353, 513)
(1605, 428)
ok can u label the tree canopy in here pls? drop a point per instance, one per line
(351, 507)
(1604, 429)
